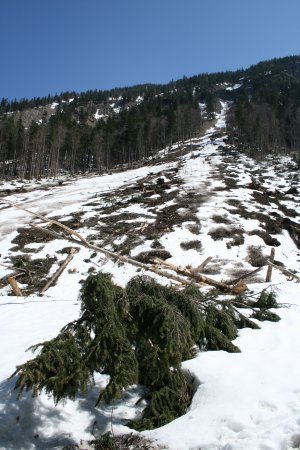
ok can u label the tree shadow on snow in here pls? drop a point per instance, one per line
(105, 417)
(21, 421)
(24, 422)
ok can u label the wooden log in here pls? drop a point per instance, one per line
(14, 286)
(55, 222)
(197, 277)
(269, 270)
(239, 288)
(124, 259)
(60, 270)
(286, 272)
(159, 272)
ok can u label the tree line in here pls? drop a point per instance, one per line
(264, 117)
(68, 143)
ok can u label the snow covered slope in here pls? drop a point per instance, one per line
(202, 199)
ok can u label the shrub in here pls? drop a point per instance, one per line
(147, 257)
(189, 245)
(255, 256)
(220, 219)
(220, 233)
(268, 240)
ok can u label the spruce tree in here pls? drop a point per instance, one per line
(139, 334)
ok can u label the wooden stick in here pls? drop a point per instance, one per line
(14, 286)
(203, 265)
(59, 224)
(269, 271)
(286, 272)
(60, 270)
(243, 277)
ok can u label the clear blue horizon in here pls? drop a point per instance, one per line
(52, 46)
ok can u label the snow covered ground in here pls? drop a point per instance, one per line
(249, 400)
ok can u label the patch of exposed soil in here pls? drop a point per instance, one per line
(36, 271)
(29, 236)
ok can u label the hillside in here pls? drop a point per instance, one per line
(96, 131)
(196, 199)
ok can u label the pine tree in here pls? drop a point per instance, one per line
(140, 334)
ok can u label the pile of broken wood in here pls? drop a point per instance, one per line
(181, 275)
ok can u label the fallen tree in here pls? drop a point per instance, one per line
(139, 334)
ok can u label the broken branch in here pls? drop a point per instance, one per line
(60, 270)
(286, 272)
(238, 288)
(14, 286)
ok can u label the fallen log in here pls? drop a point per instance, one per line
(237, 288)
(54, 222)
(286, 272)
(59, 271)
(197, 277)
(112, 255)
(243, 277)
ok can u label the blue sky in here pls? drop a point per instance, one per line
(50, 46)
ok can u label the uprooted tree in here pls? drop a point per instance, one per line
(139, 334)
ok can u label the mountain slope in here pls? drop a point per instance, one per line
(97, 130)
(202, 198)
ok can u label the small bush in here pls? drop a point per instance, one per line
(267, 300)
(194, 228)
(156, 244)
(231, 183)
(266, 315)
(127, 441)
(255, 256)
(147, 257)
(221, 232)
(221, 219)
(238, 239)
(268, 240)
(189, 245)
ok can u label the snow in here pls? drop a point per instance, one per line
(139, 99)
(244, 401)
(247, 400)
(233, 88)
(99, 116)
(221, 122)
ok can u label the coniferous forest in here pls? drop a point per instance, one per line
(98, 130)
